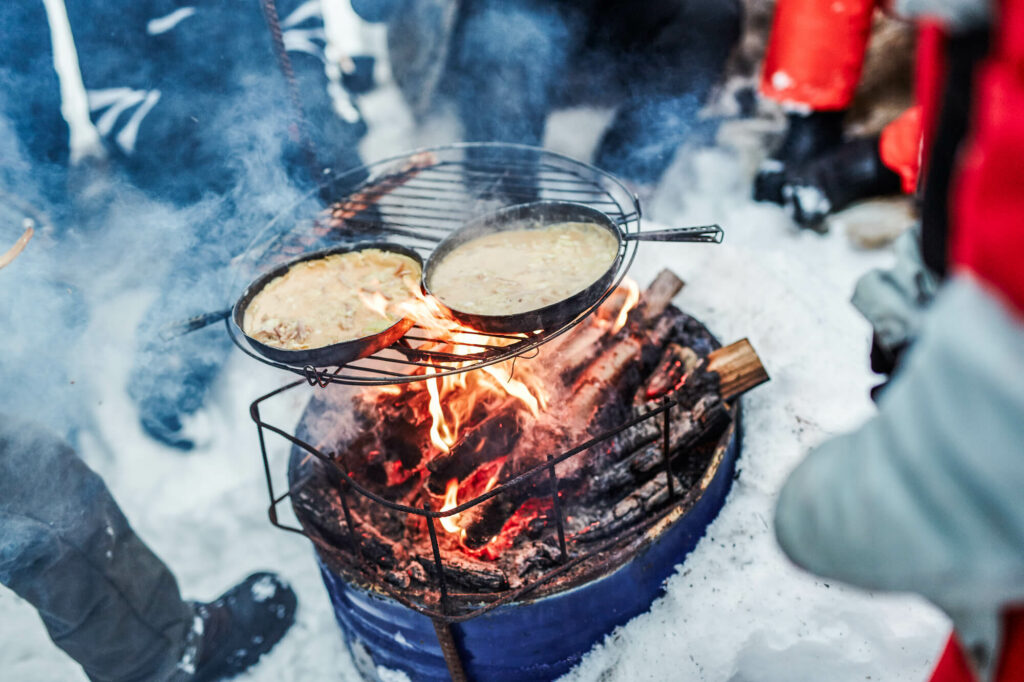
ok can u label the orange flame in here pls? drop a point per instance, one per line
(440, 434)
(451, 495)
(454, 398)
(632, 298)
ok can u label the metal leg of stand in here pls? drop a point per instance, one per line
(451, 653)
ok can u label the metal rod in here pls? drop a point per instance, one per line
(558, 510)
(437, 560)
(665, 452)
(254, 412)
(451, 652)
(343, 495)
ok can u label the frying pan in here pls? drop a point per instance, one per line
(542, 214)
(334, 354)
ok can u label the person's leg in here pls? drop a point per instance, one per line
(66, 548)
(667, 56)
(508, 58)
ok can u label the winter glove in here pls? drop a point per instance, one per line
(807, 136)
(894, 301)
(836, 179)
(925, 497)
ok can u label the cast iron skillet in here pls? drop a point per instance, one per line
(334, 354)
(541, 214)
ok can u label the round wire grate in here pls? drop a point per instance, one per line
(416, 200)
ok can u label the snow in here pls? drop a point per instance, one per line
(263, 589)
(736, 610)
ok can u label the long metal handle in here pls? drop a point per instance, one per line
(176, 329)
(711, 234)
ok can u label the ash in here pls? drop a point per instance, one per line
(736, 610)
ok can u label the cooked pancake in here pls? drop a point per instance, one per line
(519, 270)
(337, 298)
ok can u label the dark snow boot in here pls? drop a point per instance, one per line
(833, 181)
(241, 625)
(807, 136)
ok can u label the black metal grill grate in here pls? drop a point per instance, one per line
(416, 200)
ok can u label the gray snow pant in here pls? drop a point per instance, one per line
(66, 548)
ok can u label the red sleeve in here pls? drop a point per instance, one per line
(988, 209)
(900, 147)
(816, 52)
(952, 665)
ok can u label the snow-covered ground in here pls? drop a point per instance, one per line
(735, 610)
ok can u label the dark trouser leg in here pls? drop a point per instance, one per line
(508, 58)
(507, 61)
(667, 54)
(67, 549)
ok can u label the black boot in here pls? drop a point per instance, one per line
(836, 179)
(240, 626)
(807, 136)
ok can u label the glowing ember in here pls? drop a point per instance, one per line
(524, 516)
(450, 523)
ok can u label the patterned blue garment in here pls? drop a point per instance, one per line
(185, 115)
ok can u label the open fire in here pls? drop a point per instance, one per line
(448, 442)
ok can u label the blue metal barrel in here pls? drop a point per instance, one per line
(540, 639)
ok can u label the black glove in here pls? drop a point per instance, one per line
(835, 180)
(807, 136)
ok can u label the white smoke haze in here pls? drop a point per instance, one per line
(735, 610)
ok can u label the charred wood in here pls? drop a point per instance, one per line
(471, 576)
(630, 509)
(708, 419)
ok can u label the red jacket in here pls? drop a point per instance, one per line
(814, 60)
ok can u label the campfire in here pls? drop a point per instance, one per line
(445, 442)
(488, 504)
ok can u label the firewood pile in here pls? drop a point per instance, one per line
(609, 371)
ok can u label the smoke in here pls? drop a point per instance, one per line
(161, 224)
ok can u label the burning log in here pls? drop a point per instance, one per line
(676, 363)
(591, 391)
(577, 351)
(491, 438)
(371, 545)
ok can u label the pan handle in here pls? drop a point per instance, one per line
(711, 234)
(182, 327)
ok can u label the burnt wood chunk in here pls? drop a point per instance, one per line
(471, 576)
(620, 468)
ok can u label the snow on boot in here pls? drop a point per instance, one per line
(240, 626)
(807, 136)
(833, 181)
